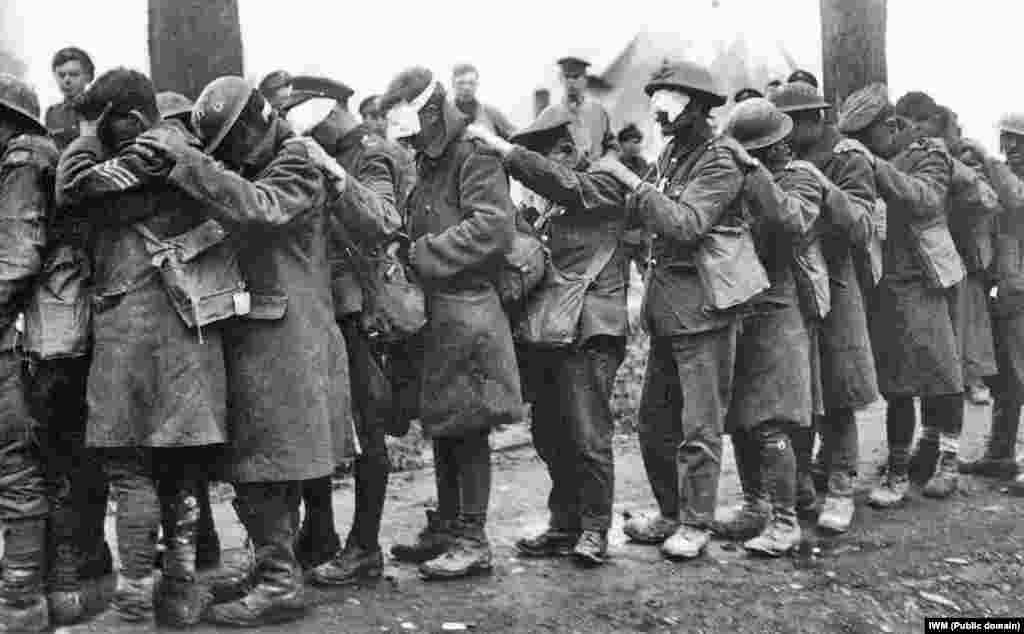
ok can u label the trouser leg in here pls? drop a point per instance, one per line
(840, 442)
(704, 365)
(900, 421)
(747, 452)
(659, 432)
(589, 377)
(553, 439)
(138, 514)
(472, 453)
(371, 483)
(446, 476)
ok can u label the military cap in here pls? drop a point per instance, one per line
(797, 96)
(306, 87)
(630, 131)
(173, 104)
(1012, 122)
(746, 93)
(274, 81)
(574, 65)
(863, 107)
(804, 76)
(544, 129)
(687, 77)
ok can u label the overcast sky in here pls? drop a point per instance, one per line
(963, 53)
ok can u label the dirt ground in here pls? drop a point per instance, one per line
(957, 557)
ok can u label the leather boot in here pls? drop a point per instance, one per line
(746, 522)
(999, 459)
(270, 513)
(551, 543)
(431, 542)
(892, 490)
(470, 554)
(180, 601)
(349, 567)
(592, 548)
(837, 513)
(23, 607)
(778, 538)
(276, 598)
(944, 481)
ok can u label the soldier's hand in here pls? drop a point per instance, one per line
(168, 141)
(488, 138)
(613, 167)
(323, 160)
(744, 158)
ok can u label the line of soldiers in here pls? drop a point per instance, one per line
(184, 304)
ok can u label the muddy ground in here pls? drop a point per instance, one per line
(958, 557)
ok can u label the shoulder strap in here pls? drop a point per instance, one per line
(601, 259)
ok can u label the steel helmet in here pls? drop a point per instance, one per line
(1012, 122)
(756, 123)
(19, 98)
(173, 104)
(218, 108)
(798, 96)
(687, 77)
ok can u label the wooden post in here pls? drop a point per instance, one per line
(192, 42)
(853, 46)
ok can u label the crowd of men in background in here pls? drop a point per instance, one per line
(185, 299)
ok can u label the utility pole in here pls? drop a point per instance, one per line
(192, 42)
(853, 46)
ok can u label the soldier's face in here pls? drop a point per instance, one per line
(71, 78)
(1012, 146)
(631, 147)
(564, 152)
(465, 86)
(280, 97)
(575, 82)
(880, 137)
(808, 126)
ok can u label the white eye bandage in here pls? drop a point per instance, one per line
(308, 114)
(671, 102)
(404, 117)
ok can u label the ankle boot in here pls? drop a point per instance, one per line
(23, 607)
(277, 596)
(747, 522)
(944, 481)
(469, 554)
(431, 542)
(780, 536)
(837, 513)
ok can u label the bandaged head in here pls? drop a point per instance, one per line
(404, 116)
(671, 102)
(308, 114)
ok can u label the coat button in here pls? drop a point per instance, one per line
(545, 238)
